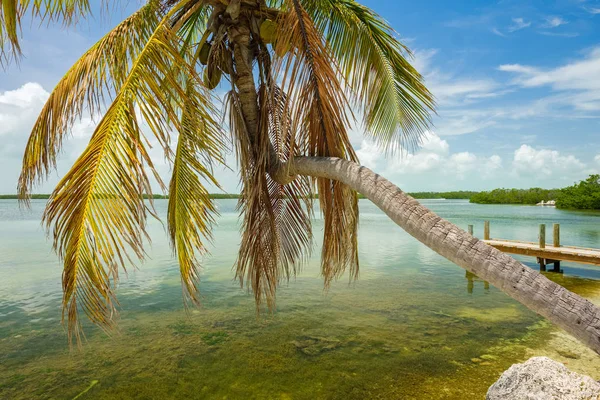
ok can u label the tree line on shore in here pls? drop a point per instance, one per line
(584, 195)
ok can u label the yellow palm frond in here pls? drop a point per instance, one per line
(97, 211)
(190, 207)
(319, 119)
(394, 100)
(98, 216)
(100, 71)
(10, 21)
(65, 11)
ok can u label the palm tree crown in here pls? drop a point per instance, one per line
(296, 71)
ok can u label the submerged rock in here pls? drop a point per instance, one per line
(541, 378)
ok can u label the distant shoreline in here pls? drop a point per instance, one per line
(457, 195)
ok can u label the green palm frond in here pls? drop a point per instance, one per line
(97, 212)
(190, 22)
(98, 73)
(190, 207)
(394, 100)
(320, 122)
(11, 12)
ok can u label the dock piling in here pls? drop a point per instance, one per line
(545, 255)
(542, 262)
(556, 236)
(470, 228)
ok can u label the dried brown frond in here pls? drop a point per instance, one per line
(276, 230)
(319, 110)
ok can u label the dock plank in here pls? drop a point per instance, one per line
(562, 253)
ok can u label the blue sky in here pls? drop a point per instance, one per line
(517, 85)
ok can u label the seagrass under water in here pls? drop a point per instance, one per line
(413, 326)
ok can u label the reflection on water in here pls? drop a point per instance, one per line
(471, 279)
(406, 329)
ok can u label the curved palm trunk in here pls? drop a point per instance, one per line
(571, 312)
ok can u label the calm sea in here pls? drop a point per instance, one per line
(414, 325)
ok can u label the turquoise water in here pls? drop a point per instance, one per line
(414, 325)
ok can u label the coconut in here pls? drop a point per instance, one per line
(212, 77)
(268, 31)
(204, 53)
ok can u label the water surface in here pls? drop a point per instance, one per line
(414, 326)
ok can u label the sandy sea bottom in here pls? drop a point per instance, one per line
(413, 327)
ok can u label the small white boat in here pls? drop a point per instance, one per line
(549, 203)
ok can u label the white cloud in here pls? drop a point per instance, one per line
(491, 166)
(432, 167)
(450, 90)
(559, 34)
(462, 163)
(554, 22)
(463, 121)
(19, 107)
(422, 60)
(581, 75)
(544, 163)
(518, 24)
(436, 167)
(578, 81)
(496, 31)
(369, 154)
(434, 144)
(592, 10)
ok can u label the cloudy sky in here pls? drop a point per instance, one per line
(517, 85)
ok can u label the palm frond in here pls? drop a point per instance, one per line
(319, 118)
(276, 229)
(394, 100)
(65, 11)
(97, 212)
(190, 210)
(100, 72)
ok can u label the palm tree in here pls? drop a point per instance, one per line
(295, 69)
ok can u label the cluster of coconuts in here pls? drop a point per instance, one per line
(212, 75)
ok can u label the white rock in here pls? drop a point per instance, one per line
(541, 378)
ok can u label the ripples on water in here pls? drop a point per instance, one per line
(413, 326)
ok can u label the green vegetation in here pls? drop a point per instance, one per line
(515, 196)
(461, 194)
(584, 195)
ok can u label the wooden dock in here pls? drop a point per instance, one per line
(544, 253)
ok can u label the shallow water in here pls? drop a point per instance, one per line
(415, 326)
